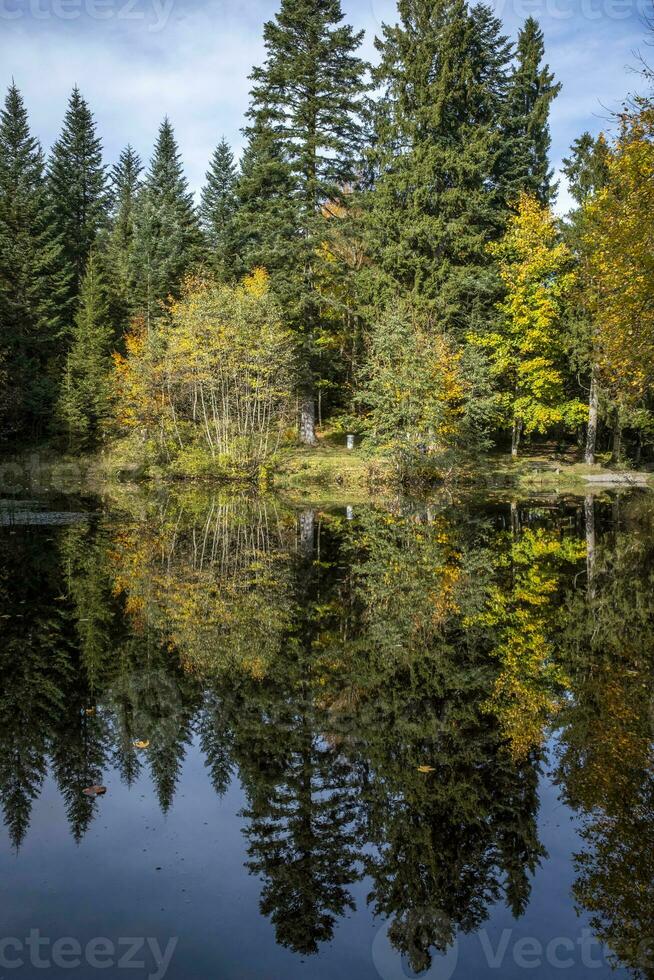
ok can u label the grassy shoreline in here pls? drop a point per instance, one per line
(326, 472)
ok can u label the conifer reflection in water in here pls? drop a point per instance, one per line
(325, 661)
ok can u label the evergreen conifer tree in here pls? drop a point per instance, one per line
(84, 399)
(167, 238)
(587, 167)
(32, 289)
(217, 211)
(77, 189)
(267, 221)
(531, 92)
(125, 184)
(304, 134)
(437, 200)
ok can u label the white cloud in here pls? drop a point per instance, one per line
(195, 69)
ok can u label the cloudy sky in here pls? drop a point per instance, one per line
(137, 60)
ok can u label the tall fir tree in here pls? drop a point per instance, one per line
(305, 130)
(32, 287)
(437, 200)
(218, 210)
(84, 399)
(531, 93)
(77, 191)
(125, 185)
(167, 237)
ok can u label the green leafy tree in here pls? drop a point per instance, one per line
(531, 93)
(218, 209)
(619, 271)
(587, 172)
(77, 193)
(31, 288)
(84, 398)
(413, 391)
(225, 362)
(526, 348)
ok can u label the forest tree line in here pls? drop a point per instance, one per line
(383, 259)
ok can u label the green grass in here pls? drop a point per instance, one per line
(331, 474)
(329, 471)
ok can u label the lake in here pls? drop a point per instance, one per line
(405, 739)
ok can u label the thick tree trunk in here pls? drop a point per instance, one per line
(617, 438)
(308, 421)
(515, 437)
(307, 525)
(593, 411)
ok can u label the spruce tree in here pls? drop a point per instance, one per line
(304, 134)
(587, 167)
(527, 136)
(167, 237)
(125, 184)
(31, 288)
(310, 91)
(77, 188)
(267, 220)
(437, 201)
(218, 209)
(84, 398)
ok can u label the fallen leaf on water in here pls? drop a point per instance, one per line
(426, 769)
(95, 790)
(142, 743)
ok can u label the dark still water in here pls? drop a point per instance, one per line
(376, 742)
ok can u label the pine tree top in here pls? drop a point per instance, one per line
(78, 142)
(15, 137)
(310, 92)
(165, 178)
(587, 167)
(531, 92)
(218, 201)
(125, 174)
(221, 174)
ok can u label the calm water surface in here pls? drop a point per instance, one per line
(374, 742)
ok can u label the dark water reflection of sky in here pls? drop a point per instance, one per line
(291, 671)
